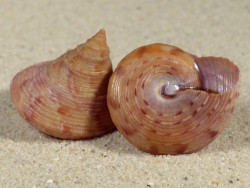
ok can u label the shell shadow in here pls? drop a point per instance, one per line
(13, 127)
(115, 143)
(235, 136)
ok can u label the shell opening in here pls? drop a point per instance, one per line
(217, 74)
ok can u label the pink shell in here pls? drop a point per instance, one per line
(166, 101)
(66, 97)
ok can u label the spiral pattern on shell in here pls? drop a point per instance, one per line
(166, 101)
(66, 97)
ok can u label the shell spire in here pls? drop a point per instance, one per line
(98, 41)
(88, 57)
(66, 97)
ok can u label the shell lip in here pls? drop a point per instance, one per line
(217, 74)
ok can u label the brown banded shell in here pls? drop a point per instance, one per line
(66, 97)
(166, 101)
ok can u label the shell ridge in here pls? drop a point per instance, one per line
(183, 123)
(59, 101)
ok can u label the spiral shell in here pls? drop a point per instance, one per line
(66, 97)
(166, 101)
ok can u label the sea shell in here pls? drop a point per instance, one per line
(66, 97)
(166, 101)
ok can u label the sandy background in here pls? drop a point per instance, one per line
(35, 31)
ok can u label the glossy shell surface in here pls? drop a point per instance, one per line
(164, 100)
(66, 97)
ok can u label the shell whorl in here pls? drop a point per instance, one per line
(66, 97)
(165, 101)
(88, 66)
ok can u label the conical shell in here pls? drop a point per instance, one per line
(167, 101)
(66, 97)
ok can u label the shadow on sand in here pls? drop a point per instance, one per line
(13, 127)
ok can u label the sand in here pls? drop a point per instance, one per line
(35, 31)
